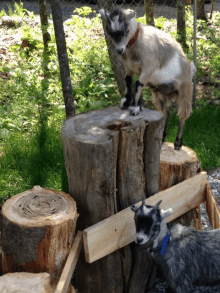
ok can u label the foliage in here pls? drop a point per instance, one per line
(32, 107)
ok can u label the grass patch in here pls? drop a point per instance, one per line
(32, 107)
(201, 133)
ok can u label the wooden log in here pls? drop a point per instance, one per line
(109, 165)
(212, 208)
(119, 230)
(70, 265)
(175, 167)
(38, 231)
(26, 283)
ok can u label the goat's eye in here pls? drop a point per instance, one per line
(156, 227)
(127, 32)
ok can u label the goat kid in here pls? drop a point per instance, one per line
(158, 60)
(185, 257)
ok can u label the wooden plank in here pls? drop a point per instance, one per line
(212, 208)
(119, 230)
(73, 289)
(70, 265)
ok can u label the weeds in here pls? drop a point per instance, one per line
(32, 108)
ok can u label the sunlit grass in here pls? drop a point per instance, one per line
(32, 108)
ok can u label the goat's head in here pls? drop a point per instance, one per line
(150, 223)
(120, 26)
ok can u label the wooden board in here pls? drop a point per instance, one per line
(212, 208)
(119, 230)
(70, 265)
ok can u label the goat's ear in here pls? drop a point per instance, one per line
(158, 204)
(103, 14)
(130, 15)
(134, 208)
(166, 214)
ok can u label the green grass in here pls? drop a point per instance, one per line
(201, 133)
(32, 107)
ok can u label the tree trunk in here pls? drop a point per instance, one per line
(181, 23)
(175, 167)
(108, 160)
(201, 10)
(26, 283)
(63, 58)
(117, 64)
(149, 11)
(46, 35)
(38, 228)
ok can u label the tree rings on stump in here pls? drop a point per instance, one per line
(38, 228)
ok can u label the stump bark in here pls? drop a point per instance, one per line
(112, 159)
(175, 167)
(38, 228)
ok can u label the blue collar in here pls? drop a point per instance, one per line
(163, 243)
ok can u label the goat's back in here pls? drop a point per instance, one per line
(193, 255)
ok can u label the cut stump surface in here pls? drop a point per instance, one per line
(38, 231)
(26, 283)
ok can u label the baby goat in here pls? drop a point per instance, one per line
(183, 255)
(158, 60)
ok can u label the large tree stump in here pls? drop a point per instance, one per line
(38, 228)
(176, 166)
(26, 283)
(112, 159)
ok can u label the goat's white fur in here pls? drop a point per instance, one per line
(157, 59)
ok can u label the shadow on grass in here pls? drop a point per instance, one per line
(35, 159)
(201, 133)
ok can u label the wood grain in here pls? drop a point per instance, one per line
(70, 265)
(212, 208)
(112, 159)
(119, 230)
(37, 232)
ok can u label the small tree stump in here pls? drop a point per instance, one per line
(26, 283)
(38, 228)
(112, 159)
(176, 166)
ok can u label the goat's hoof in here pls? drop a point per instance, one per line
(178, 144)
(124, 104)
(134, 110)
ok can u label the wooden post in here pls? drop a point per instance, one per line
(38, 231)
(175, 167)
(112, 159)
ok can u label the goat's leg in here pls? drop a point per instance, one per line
(167, 117)
(184, 111)
(162, 105)
(179, 141)
(126, 101)
(136, 107)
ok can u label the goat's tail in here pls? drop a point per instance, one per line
(193, 69)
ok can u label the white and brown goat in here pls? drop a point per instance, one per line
(158, 60)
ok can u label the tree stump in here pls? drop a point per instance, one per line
(38, 228)
(112, 159)
(26, 283)
(175, 167)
